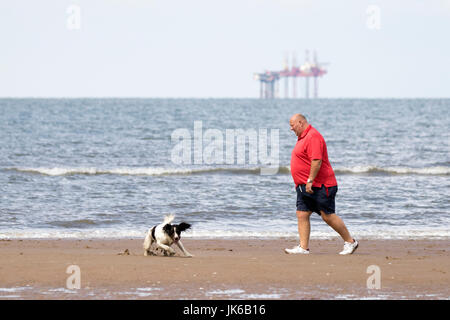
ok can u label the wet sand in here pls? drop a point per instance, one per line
(224, 269)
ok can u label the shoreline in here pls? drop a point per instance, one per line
(189, 237)
(224, 269)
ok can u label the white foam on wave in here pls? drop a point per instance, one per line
(100, 233)
(61, 290)
(13, 289)
(144, 171)
(159, 171)
(260, 296)
(391, 232)
(241, 294)
(225, 292)
(13, 292)
(437, 170)
(374, 233)
(61, 171)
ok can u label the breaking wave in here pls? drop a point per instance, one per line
(139, 233)
(161, 171)
(438, 170)
(149, 171)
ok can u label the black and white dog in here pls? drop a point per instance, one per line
(165, 234)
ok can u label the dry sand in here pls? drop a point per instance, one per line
(224, 269)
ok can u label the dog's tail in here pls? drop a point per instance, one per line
(168, 219)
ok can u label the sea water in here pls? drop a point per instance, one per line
(105, 168)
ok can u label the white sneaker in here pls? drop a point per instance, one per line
(296, 250)
(349, 247)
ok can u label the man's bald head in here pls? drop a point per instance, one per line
(298, 116)
(298, 123)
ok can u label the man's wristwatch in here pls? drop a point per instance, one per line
(309, 181)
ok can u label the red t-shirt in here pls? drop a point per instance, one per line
(311, 146)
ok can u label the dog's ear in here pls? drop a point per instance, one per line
(183, 226)
(168, 228)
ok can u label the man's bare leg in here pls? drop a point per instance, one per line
(335, 222)
(304, 228)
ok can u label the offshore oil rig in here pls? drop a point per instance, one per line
(269, 80)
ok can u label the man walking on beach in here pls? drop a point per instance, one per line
(315, 184)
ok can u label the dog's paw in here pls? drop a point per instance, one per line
(169, 253)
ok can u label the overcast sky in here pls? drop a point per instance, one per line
(211, 48)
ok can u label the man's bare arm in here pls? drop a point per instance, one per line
(315, 167)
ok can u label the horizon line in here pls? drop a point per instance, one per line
(211, 98)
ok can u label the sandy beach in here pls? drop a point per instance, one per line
(224, 269)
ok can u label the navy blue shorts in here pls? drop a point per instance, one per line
(321, 199)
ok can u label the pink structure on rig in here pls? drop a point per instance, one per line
(269, 80)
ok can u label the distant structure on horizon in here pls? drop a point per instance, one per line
(269, 80)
